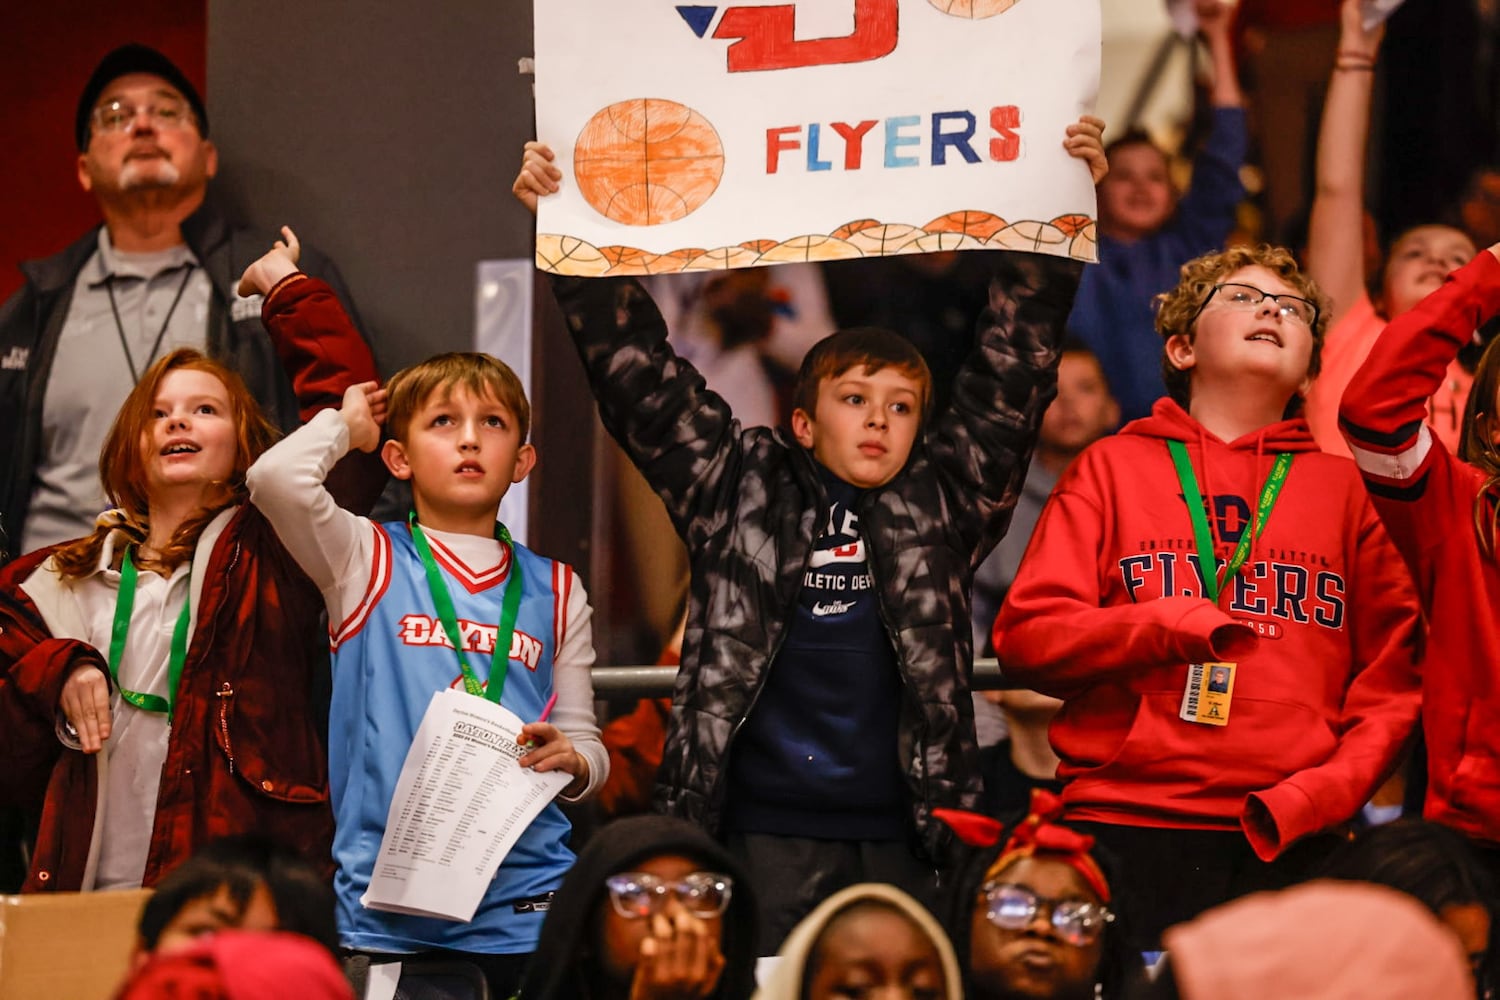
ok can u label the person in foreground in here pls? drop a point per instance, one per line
(1318, 941)
(244, 882)
(397, 594)
(867, 940)
(240, 965)
(1215, 534)
(1032, 910)
(654, 909)
(822, 708)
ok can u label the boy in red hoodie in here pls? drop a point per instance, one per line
(1201, 791)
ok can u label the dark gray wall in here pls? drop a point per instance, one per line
(387, 133)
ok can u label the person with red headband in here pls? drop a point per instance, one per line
(1032, 913)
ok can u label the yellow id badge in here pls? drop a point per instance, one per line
(1210, 686)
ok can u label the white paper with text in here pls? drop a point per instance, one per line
(461, 803)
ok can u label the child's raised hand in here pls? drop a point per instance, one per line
(278, 262)
(551, 750)
(538, 175)
(680, 960)
(1214, 16)
(85, 703)
(363, 412)
(1085, 141)
(1354, 40)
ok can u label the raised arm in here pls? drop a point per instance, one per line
(678, 432)
(1335, 236)
(319, 347)
(1206, 214)
(1417, 485)
(1216, 21)
(335, 548)
(1386, 402)
(322, 352)
(982, 443)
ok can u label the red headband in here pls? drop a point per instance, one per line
(1038, 833)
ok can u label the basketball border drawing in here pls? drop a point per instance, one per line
(1070, 235)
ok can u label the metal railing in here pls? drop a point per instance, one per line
(625, 682)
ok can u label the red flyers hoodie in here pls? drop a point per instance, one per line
(1108, 610)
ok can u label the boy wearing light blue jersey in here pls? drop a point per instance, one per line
(396, 592)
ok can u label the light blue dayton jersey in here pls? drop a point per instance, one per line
(390, 658)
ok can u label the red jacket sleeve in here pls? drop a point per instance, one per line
(1053, 636)
(319, 347)
(324, 354)
(1380, 706)
(1386, 402)
(1415, 483)
(33, 667)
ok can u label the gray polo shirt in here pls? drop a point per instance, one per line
(92, 373)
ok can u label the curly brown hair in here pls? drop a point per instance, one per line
(1177, 310)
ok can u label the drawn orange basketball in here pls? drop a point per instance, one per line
(627, 260)
(723, 259)
(759, 246)
(980, 225)
(943, 242)
(1071, 225)
(810, 247)
(1028, 235)
(647, 161)
(569, 255)
(973, 8)
(1085, 245)
(849, 228)
(879, 241)
(665, 264)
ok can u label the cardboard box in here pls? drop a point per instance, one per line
(67, 945)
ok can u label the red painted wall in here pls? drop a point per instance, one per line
(50, 49)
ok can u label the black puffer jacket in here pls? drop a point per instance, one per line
(746, 501)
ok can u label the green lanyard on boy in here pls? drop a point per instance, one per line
(510, 607)
(1210, 686)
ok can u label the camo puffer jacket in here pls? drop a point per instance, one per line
(746, 502)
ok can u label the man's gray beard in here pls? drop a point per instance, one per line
(133, 178)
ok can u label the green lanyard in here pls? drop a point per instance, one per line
(1212, 582)
(510, 606)
(124, 603)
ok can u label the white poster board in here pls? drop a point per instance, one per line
(698, 137)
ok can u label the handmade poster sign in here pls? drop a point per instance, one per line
(726, 135)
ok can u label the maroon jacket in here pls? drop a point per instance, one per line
(244, 753)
